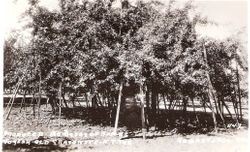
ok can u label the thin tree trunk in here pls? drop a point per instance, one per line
(185, 101)
(65, 102)
(103, 99)
(170, 99)
(34, 105)
(147, 98)
(208, 106)
(235, 103)
(52, 104)
(87, 100)
(233, 100)
(60, 103)
(196, 116)
(239, 91)
(23, 101)
(13, 99)
(165, 104)
(213, 115)
(39, 98)
(220, 107)
(47, 102)
(219, 110)
(73, 102)
(94, 101)
(158, 103)
(210, 90)
(153, 106)
(174, 103)
(99, 99)
(147, 106)
(110, 107)
(236, 119)
(215, 105)
(118, 107)
(204, 106)
(142, 113)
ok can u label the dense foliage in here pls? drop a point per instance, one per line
(92, 47)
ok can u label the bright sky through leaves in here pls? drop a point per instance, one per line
(231, 15)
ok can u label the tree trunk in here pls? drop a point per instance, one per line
(233, 100)
(39, 98)
(213, 112)
(65, 102)
(210, 90)
(147, 98)
(118, 107)
(23, 101)
(235, 104)
(170, 101)
(196, 116)
(165, 104)
(13, 99)
(33, 105)
(73, 101)
(110, 106)
(158, 103)
(60, 103)
(47, 102)
(94, 101)
(174, 103)
(147, 107)
(220, 106)
(236, 119)
(239, 91)
(153, 106)
(185, 101)
(216, 108)
(142, 113)
(86, 99)
(99, 99)
(219, 110)
(52, 104)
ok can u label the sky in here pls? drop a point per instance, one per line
(230, 15)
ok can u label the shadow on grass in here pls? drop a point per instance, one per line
(185, 123)
(164, 123)
(140, 137)
(41, 144)
(32, 148)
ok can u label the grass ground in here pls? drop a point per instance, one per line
(92, 130)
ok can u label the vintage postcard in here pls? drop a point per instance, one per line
(125, 75)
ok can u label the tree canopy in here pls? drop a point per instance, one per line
(92, 46)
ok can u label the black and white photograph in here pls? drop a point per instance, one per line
(125, 76)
